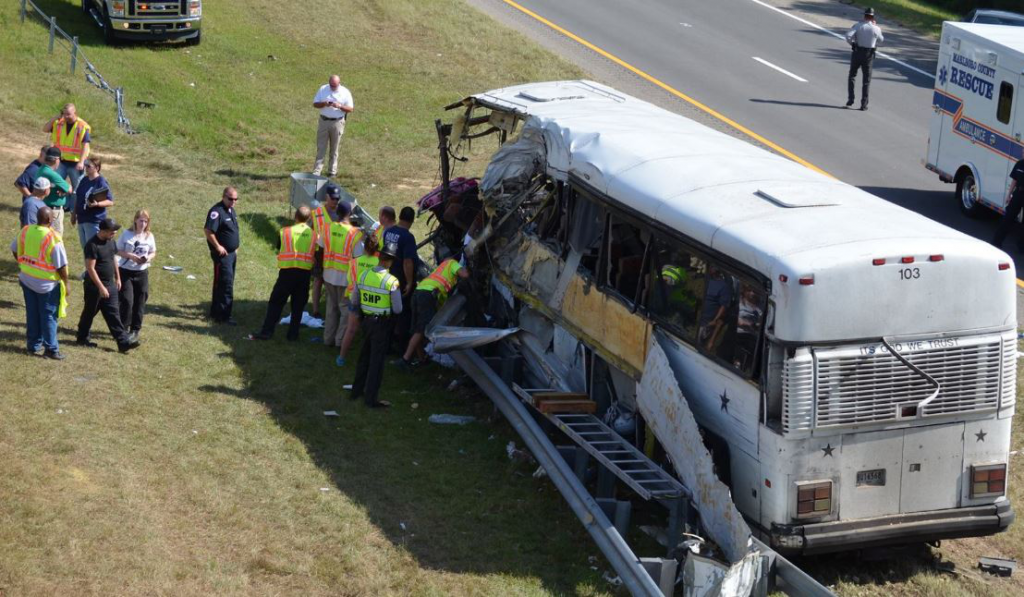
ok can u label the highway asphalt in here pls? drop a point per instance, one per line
(776, 67)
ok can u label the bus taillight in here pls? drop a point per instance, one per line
(878, 262)
(1004, 266)
(907, 260)
(813, 498)
(988, 480)
(807, 281)
(936, 258)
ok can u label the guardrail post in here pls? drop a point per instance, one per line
(24, 9)
(74, 53)
(53, 31)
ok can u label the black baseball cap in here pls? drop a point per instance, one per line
(53, 153)
(333, 191)
(869, 12)
(109, 224)
(344, 208)
(389, 250)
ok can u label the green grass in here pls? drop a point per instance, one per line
(196, 464)
(921, 15)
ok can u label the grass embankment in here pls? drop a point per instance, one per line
(202, 463)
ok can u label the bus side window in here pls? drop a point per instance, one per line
(1005, 102)
(749, 319)
(677, 288)
(623, 259)
(587, 224)
(717, 313)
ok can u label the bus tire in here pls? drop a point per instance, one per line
(967, 194)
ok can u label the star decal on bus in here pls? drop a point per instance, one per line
(980, 435)
(828, 449)
(725, 401)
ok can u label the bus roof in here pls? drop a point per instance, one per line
(757, 207)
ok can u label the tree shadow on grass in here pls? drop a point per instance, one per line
(447, 494)
(266, 228)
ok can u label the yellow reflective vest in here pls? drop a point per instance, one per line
(442, 279)
(339, 241)
(297, 247)
(375, 290)
(35, 252)
(71, 144)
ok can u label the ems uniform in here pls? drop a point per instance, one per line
(378, 298)
(1013, 207)
(432, 292)
(864, 37)
(223, 222)
(71, 141)
(40, 255)
(341, 245)
(294, 262)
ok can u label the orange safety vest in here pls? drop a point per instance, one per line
(338, 243)
(320, 220)
(35, 252)
(297, 247)
(71, 144)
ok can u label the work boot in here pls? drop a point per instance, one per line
(53, 355)
(380, 404)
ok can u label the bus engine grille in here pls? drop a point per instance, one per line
(862, 385)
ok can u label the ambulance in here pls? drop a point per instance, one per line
(975, 135)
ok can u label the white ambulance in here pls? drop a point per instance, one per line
(976, 130)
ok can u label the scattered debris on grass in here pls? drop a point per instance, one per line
(445, 419)
(330, 413)
(997, 566)
(173, 268)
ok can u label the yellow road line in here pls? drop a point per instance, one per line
(664, 86)
(673, 91)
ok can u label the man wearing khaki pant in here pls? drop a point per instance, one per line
(334, 103)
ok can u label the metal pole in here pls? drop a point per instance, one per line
(53, 31)
(24, 9)
(74, 53)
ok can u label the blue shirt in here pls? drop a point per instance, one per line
(29, 209)
(28, 176)
(406, 243)
(90, 215)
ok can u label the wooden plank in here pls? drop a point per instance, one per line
(567, 406)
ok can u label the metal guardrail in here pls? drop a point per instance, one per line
(93, 76)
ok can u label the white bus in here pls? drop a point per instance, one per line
(851, 363)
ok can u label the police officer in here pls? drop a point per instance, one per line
(378, 298)
(294, 264)
(222, 235)
(864, 37)
(430, 294)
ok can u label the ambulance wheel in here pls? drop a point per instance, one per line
(967, 194)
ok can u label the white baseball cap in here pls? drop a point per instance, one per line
(42, 184)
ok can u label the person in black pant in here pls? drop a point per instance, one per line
(101, 288)
(864, 38)
(1015, 202)
(378, 297)
(295, 251)
(222, 235)
(137, 250)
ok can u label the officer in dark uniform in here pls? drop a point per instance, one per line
(378, 298)
(222, 235)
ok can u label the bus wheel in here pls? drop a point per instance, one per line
(967, 194)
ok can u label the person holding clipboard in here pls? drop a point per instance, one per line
(92, 198)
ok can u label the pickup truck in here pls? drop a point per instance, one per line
(147, 20)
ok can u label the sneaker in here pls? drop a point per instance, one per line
(86, 343)
(133, 336)
(316, 339)
(259, 336)
(380, 404)
(863, 107)
(402, 364)
(849, 103)
(339, 361)
(123, 348)
(53, 355)
(36, 352)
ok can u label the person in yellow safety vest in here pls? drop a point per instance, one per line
(338, 243)
(676, 278)
(294, 263)
(322, 216)
(367, 260)
(378, 298)
(44, 277)
(428, 297)
(73, 136)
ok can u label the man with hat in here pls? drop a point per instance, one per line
(43, 277)
(378, 298)
(102, 285)
(28, 175)
(323, 215)
(339, 247)
(31, 204)
(59, 188)
(864, 37)
(294, 262)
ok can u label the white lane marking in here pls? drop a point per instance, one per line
(779, 68)
(834, 34)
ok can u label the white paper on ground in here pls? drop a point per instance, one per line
(307, 320)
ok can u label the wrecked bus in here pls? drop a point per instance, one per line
(851, 364)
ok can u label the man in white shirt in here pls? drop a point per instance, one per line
(864, 37)
(334, 103)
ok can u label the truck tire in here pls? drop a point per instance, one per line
(194, 41)
(108, 32)
(967, 194)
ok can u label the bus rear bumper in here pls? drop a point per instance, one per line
(919, 527)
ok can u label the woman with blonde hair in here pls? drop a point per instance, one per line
(137, 250)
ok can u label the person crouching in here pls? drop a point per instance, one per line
(295, 267)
